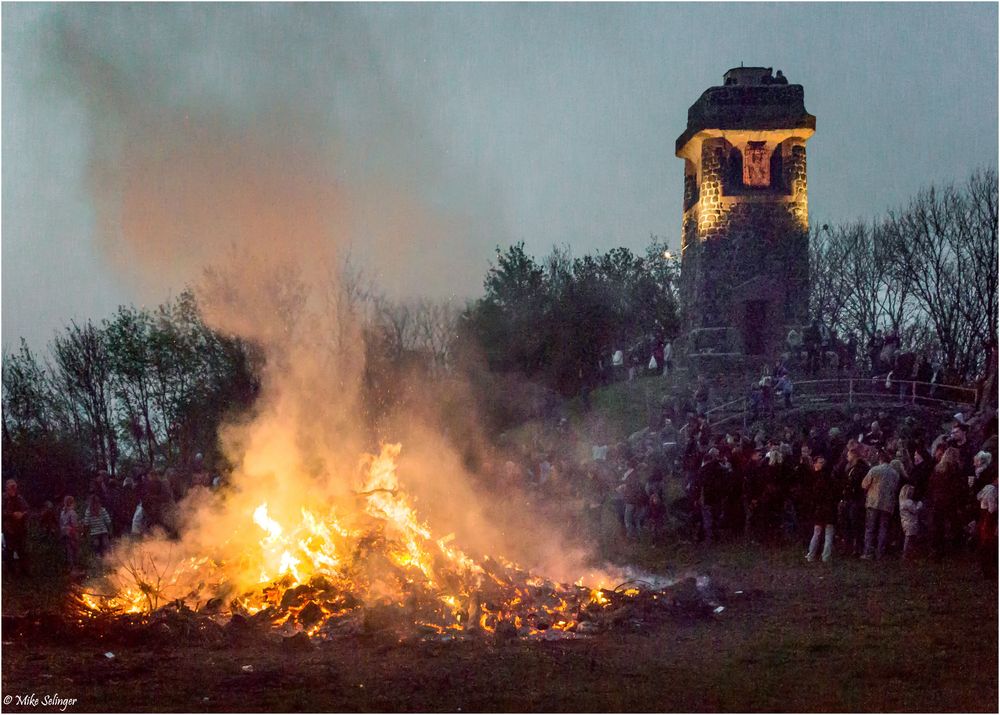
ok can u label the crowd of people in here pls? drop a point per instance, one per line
(867, 487)
(870, 486)
(137, 504)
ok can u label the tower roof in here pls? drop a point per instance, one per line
(751, 98)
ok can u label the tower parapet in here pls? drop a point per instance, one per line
(744, 245)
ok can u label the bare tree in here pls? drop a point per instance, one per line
(346, 296)
(28, 400)
(943, 246)
(853, 289)
(133, 376)
(84, 374)
(980, 246)
(828, 275)
(395, 321)
(927, 271)
(436, 329)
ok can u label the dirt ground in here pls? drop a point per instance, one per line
(853, 636)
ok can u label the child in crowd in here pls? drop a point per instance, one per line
(909, 517)
(98, 523)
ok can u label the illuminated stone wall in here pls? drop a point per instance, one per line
(745, 255)
(731, 240)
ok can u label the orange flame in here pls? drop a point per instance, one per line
(389, 558)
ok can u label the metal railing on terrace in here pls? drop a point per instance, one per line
(851, 391)
(880, 389)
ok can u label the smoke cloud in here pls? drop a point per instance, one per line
(255, 186)
(212, 130)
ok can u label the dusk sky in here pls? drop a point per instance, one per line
(448, 129)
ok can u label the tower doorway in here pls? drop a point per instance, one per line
(755, 327)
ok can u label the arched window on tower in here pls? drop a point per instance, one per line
(778, 182)
(732, 179)
(691, 192)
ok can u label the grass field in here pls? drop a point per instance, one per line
(852, 636)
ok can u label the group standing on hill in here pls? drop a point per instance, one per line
(862, 487)
(136, 505)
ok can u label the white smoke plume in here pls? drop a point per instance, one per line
(270, 196)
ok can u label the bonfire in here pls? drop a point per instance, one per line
(375, 567)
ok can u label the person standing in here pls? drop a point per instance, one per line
(15, 528)
(811, 339)
(881, 486)
(656, 359)
(668, 358)
(875, 437)
(635, 499)
(852, 504)
(785, 387)
(69, 531)
(711, 493)
(794, 344)
(909, 518)
(98, 523)
(752, 493)
(701, 395)
(127, 502)
(984, 471)
(986, 529)
(825, 495)
(920, 475)
(618, 364)
(139, 523)
(944, 496)
(48, 520)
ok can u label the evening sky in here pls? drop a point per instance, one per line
(547, 123)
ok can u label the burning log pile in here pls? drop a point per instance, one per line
(525, 608)
(378, 571)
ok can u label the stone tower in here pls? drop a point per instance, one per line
(745, 240)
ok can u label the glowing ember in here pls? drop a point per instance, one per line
(380, 568)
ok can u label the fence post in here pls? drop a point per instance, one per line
(913, 390)
(850, 391)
